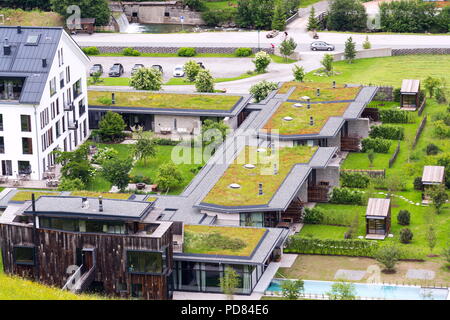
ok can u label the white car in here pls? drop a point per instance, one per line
(178, 72)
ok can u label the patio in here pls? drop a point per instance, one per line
(50, 181)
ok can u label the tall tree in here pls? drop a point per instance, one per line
(229, 282)
(111, 127)
(117, 172)
(346, 15)
(97, 9)
(168, 176)
(145, 147)
(313, 23)
(279, 16)
(287, 47)
(350, 50)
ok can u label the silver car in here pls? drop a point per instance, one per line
(321, 45)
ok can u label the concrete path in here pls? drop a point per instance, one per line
(267, 277)
(288, 260)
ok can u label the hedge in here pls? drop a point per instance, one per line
(91, 51)
(186, 52)
(313, 216)
(358, 248)
(394, 116)
(131, 52)
(377, 145)
(243, 52)
(347, 196)
(387, 132)
(354, 180)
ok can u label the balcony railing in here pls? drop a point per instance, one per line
(69, 107)
(73, 125)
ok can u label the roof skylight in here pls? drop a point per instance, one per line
(33, 39)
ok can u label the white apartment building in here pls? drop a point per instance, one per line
(43, 98)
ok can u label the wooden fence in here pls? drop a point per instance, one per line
(394, 156)
(419, 131)
(370, 173)
(422, 106)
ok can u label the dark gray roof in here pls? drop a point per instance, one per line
(72, 206)
(26, 60)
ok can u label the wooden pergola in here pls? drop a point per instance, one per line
(409, 94)
(378, 218)
(431, 176)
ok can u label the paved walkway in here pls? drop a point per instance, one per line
(288, 260)
(267, 277)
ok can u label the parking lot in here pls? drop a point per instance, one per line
(219, 67)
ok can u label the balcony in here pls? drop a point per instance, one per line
(73, 125)
(69, 107)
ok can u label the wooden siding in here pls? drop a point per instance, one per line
(56, 251)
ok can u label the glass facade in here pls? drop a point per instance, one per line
(254, 219)
(205, 277)
(75, 225)
(145, 262)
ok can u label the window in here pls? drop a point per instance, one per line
(59, 224)
(61, 80)
(2, 145)
(10, 88)
(24, 255)
(27, 146)
(76, 89)
(1, 122)
(57, 129)
(24, 167)
(144, 262)
(81, 108)
(7, 167)
(52, 84)
(67, 74)
(25, 123)
(44, 118)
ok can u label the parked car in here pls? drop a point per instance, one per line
(178, 72)
(96, 68)
(321, 45)
(116, 70)
(136, 67)
(272, 34)
(201, 65)
(158, 67)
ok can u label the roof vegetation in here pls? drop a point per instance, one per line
(249, 179)
(301, 117)
(215, 240)
(26, 195)
(327, 92)
(105, 195)
(163, 100)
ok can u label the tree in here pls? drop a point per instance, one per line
(388, 256)
(287, 47)
(262, 61)
(117, 171)
(279, 16)
(371, 156)
(299, 73)
(327, 63)
(145, 147)
(97, 9)
(257, 14)
(191, 68)
(350, 50)
(229, 282)
(430, 84)
(194, 4)
(403, 217)
(75, 164)
(346, 15)
(366, 44)
(261, 90)
(204, 82)
(431, 237)
(147, 79)
(342, 291)
(214, 132)
(168, 176)
(95, 77)
(406, 235)
(313, 23)
(111, 126)
(439, 196)
(292, 290)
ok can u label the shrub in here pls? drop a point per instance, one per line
(377, 145)
(192, 68)
(262, 61)
(261, 90)
(354, 180)
(432, 149)
(347, 196)
(313, 216)
(130, 52)
(147, 79)
(243, 52)
(111, 127)
(418, 183)
(327, 63)
(299, 73)
(397, 94)
(387, 132)
(104, 154)
(91, 51)
(406, 235)
(204, 82)
(366, 44)
(394, 116)
(219, 17)
(362, 248)
(388, 255)
(441, 130)
(67, 184)
(186, 52)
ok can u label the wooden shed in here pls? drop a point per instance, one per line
(410, 94)
(432, 175)
(378, 218)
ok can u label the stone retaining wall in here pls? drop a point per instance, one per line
(229, 50)
(400, 52)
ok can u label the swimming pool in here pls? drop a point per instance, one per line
(366, 290)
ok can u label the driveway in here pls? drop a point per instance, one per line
(219, 67)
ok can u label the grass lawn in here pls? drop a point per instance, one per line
(215, 240)
(220, 5)
(164, 100)
(327, 93)
(306, 3)
(150, 168)
(389, 70)
(300, 123)
(306, 267)
(323, 231)
(249, 179)
(26, 195)
(19, 17)
(105, 195)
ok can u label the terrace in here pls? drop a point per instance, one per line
(228, 241)
(254, 181)
(170, 101)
